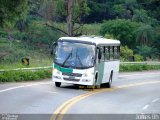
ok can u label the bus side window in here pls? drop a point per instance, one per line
(116, 52)
(107, 53)
(111, 52)
(102, 51)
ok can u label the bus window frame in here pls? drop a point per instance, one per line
(111, 53)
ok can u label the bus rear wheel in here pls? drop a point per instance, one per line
(58, 84)
(108, 85)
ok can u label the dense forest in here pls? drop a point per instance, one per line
(27, 25)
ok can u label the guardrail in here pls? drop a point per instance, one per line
(146, 62)
(47, 67)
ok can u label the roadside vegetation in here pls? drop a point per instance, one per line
(11, 57)
(137, 67)
(28, 28)
(19, 76)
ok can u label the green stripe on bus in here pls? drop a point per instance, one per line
(100, 72)
(64, 70)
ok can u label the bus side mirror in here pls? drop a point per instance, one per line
(53, 46)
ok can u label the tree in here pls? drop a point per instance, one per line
(143, 17)
(12, 10)
(152, 7)
(119, 10)
(145, 35)
(147, 52)
(140, 16)
(74, 11)
(122, 30)
(156, 42)
(100, 9)
(70, 12)
(69, 17)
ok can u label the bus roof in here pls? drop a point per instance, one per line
(93, 40)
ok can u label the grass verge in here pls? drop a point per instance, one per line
(137, 67)
(17, 76)
(10, 56)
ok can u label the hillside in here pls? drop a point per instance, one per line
(11, 55)
(28, 27)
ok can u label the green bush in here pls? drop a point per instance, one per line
(147, 52)
(10, 58)
(3, 33)
(121, 29)
(125, 53)
(89, 29)
(14, 76)
(20, 35)
(14, 56)
(39, 33)
(138, 58)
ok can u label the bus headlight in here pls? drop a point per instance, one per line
(88, 74)
(57, 72)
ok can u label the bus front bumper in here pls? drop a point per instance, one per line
(82, 81)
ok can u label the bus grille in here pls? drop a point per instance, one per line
(72, 74)
(71, 79)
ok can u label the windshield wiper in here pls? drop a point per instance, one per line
(77, 56)
(70, 54)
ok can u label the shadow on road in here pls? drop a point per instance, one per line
(82, 87)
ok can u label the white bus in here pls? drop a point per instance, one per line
(91, 61)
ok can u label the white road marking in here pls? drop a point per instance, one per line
(155, 100)
(51, 92)
(22, 86)
(145, 107)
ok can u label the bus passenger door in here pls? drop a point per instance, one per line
(99, 65)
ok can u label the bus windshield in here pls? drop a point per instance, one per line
(75, 55)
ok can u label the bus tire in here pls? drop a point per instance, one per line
(108, 85)
(96, 78)
(58, 84)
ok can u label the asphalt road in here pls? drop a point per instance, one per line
(134, 94)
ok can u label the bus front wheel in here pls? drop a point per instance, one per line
(58, 84)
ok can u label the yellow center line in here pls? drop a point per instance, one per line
(61, 110)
